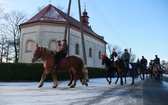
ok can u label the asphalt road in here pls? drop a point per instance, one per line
(147, 92)
(155, 92)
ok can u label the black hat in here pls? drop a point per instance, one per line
(125, 49)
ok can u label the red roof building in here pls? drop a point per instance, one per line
(36, 29)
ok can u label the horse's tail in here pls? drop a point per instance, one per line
(85, 75)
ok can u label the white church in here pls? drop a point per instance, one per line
(48, 26)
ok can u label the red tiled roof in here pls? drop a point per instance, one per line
(54, 15)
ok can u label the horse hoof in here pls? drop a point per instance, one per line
(53, 86)
(69, 84)
(40, 86)
(72, 86)
(86, 84)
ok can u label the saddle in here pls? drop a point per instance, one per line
(130, 66)
(63, 60)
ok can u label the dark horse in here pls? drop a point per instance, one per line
(72, 64)
(142, 70)
(123, 70)
(111, 70)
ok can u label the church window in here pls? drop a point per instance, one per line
(90, 52)
(29, 45)
(77, 49)
(52, 45)
(99, 55)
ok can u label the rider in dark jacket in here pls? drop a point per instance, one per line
(114, 54)
(62, 52)
(144, 62)
(157, 61)
(125, 57)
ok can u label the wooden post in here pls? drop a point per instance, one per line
(83, 41)
(67, 20)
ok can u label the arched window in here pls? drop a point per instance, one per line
(90, 52)
(29, 45)
(52, 45)
(99, 56)
(77, 49)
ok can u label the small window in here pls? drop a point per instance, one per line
(99, 56)
(77, 49)
(90, 52)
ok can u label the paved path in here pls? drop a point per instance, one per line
(148, 92)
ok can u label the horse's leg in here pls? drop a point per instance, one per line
(125, 75)
(117, 78)
(143, 75)
(146, 73)
(121, 80)
(42, 78)
(110, 79)
(75, 78)
(132, 75)
(55, 84)
(108, 74)
(125, 79)
(85, 76)
(155, 75)
(71, 77)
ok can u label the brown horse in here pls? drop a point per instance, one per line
(72, 64)
(157, 71)
(122, 70)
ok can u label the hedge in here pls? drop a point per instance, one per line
(33, 72)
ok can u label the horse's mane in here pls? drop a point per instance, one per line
(48, 51)
(107, 58)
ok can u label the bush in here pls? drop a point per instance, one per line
(33, 72)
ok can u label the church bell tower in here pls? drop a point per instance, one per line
(85, 18)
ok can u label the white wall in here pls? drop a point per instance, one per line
(43, 34)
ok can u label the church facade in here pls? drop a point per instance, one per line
(48, 26)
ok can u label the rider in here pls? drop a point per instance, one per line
(157, 61)
(58, 46)
(143, 62)
(125, 57)
(114, 54)
(61, 53)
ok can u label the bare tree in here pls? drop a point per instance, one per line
(117, 49)
(2, 46)
(120, 52)
(10, 27)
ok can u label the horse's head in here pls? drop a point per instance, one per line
(37, 54)
(103, 59)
